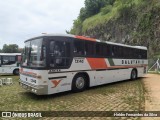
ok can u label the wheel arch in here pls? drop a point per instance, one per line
(15, 70)
(84, 74)
(135, 70)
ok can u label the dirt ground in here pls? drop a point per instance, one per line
(152, 98)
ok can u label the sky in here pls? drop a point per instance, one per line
(24, 19)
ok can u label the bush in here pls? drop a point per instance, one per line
(106, 9)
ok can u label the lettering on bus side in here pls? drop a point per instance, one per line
(132, 62)
(54, 70)
(33, 81)
(79, 60)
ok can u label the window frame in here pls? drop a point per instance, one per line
(93, 54)
(82, 47)
(59, 39)
(2, 59)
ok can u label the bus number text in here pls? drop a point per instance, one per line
(79, 61)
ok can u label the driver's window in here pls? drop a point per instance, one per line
(52, 44)
(56, 48)
(59, 53)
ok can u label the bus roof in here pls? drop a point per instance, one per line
(90, 39)
(10, 54)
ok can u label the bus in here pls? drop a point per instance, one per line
(9, 63)
(54, 63)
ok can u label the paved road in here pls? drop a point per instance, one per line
(152, 99)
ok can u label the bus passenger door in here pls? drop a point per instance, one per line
(0, 65)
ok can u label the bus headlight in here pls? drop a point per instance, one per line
(33, 90)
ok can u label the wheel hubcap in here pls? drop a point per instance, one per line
(17, 71)
(80, 82)
(133, 74)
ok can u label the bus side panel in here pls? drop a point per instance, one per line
(7, 69)
(92, 78)
(103, 77)
(122, 74)
(63, 81)
(109, 76)
(79, 63)
(58, 82)
(140, 71)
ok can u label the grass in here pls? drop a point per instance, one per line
(154, 72)
(100, 18)
(120, 96)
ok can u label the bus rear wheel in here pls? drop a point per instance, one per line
(16, 72)
(79, 83)
(133, 74)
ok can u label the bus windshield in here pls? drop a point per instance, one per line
(34, 54)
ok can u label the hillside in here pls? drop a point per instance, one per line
(134, 22)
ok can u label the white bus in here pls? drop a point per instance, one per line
(57, 63)
(9, 63)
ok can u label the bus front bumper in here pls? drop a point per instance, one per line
(36, 89)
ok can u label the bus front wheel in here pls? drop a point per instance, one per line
(16, 72)
(79, 83)
(133, 74)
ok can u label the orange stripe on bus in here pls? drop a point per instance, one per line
(97, 63)
(85, 38)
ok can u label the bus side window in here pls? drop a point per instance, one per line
(102, 50)
(79, 48)
(125, 52)
(89, 48)
(139, 54)
(120, 54)
(113, 50)
(106, 50)
(8, 60)
(145, 54)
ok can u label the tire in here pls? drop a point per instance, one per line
(79, 83)
(16, 72)
(133, 74)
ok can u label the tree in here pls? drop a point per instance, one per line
(83, 14)
(77, 27)
(13, 48)
(93, 7)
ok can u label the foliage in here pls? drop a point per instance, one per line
(93, 7)
(109, 12)
(13, 48)
(134, 22)
(83, 14)
(106, 9)
(77, 27)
